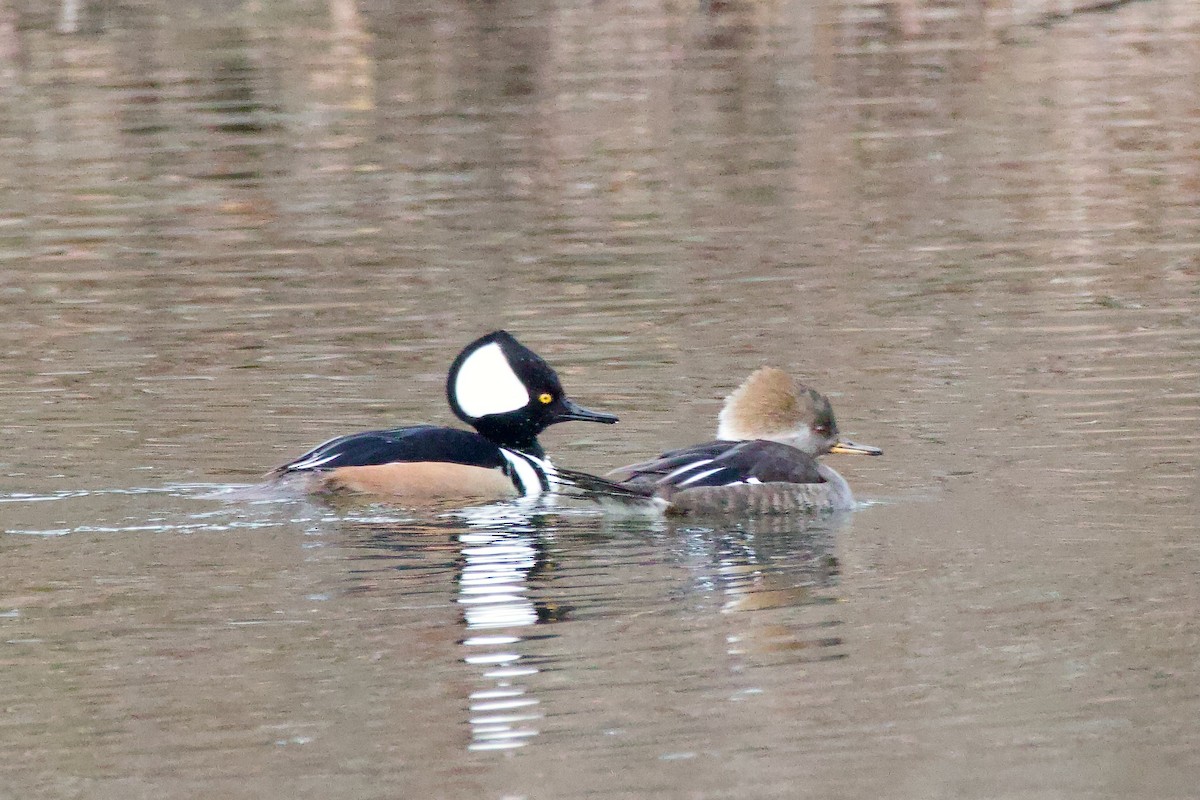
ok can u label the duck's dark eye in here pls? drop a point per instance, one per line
(545, 398)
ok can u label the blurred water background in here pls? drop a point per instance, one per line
(230, 230)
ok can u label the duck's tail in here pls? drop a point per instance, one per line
(612, 496)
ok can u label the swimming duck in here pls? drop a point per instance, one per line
(770, 433)
(502, 389)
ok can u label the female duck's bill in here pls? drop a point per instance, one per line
(504, 390)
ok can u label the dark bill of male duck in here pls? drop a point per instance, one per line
(771, 432)
(502, 389)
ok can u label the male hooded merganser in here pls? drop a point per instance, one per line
(498, 386)
(764, 460)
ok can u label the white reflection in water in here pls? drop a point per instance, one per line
(498, 557)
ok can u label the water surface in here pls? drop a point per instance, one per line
(228, 232)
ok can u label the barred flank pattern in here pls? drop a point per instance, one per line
(752, 499)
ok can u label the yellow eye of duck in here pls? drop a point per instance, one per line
(545, 398)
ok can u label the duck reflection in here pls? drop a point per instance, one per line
(499, 558)
(784, 565)
(765, 587)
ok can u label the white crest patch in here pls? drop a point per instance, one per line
(486, 384)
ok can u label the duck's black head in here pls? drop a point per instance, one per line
(509, 393)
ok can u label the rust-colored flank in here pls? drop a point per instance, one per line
(424, 479)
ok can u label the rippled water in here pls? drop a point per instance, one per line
(228, 232)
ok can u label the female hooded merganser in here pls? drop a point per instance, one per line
(764, 460)
(498, 386)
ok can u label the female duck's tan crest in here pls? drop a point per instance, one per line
(770, 404)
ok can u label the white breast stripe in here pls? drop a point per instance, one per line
(526, 471)
(700, 476)
(553, 481)
(486, 384)
(552, 477)
(685, 468)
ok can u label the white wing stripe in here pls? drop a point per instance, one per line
(699, 476)
(688, 467)
(312, 462)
